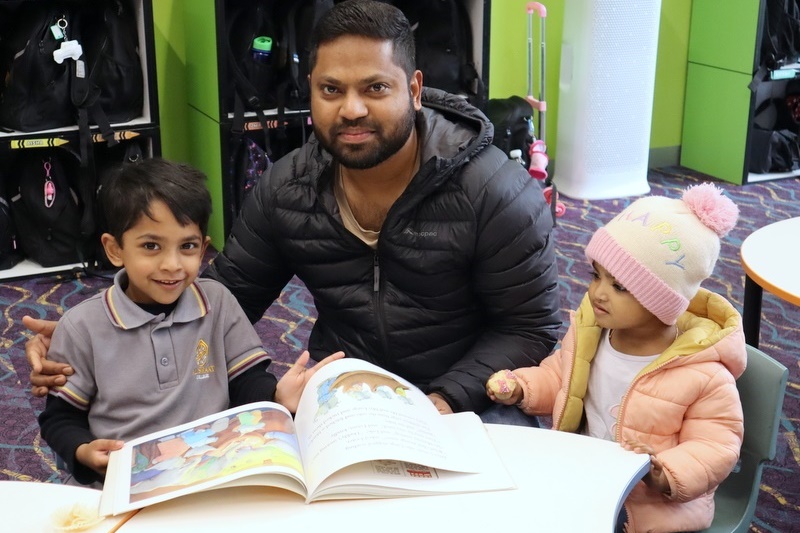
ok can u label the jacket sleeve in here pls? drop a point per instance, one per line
(515, 279)
(64, 428)
(250, 264)
(710, 440)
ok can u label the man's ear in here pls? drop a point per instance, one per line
(415, 85)
(112, 248)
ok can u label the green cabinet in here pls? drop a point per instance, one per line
(724, 44)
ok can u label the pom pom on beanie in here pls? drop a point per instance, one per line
(661, 249)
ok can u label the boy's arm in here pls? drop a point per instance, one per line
(65, 427)
(255, 384)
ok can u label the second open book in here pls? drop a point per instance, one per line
(359, 432)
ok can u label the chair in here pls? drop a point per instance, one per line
(761, 389)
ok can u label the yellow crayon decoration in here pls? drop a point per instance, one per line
(118, 136)
(19, 144)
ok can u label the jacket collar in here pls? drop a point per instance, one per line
(710, 329)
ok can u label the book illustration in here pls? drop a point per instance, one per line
(358, 385)
(224, 447)
(359, 432)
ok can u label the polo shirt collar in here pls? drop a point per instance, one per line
(126, 314)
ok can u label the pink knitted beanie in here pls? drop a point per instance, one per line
(661, 249)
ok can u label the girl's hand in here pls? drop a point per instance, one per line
(657, 477)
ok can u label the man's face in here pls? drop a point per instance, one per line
(363, 105)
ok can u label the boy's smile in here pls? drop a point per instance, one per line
(161, 256)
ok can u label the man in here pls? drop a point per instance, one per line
(427, 251)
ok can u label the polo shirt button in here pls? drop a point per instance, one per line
(164, 361)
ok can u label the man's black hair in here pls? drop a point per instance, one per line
(370, 19)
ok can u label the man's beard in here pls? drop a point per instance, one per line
(370, 154)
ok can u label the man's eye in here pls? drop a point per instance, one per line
(377, 87)
(329, 89)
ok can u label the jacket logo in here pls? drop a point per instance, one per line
(409, 231)
(202, 369)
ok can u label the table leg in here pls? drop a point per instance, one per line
(751, 311)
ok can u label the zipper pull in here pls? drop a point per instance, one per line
(376, 269)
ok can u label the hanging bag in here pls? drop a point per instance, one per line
(45, 207)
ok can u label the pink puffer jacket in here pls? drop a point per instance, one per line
(684, 404)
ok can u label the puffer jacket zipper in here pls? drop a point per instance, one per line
(380, 318)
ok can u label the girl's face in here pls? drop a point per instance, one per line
(614, 307)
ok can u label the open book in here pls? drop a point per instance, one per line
(359, 432)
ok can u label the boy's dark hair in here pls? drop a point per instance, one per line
(371, 19)
(130, 190)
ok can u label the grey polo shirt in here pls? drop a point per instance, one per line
(137, 373)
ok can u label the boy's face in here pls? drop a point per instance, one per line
(162, 257)
(614, 307)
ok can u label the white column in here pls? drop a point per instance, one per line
(605, 107)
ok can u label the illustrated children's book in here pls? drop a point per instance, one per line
(359, 432)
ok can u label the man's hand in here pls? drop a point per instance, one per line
(291, 385)
(95, 454)
(44, 373)
(440, 403)
(657, 477)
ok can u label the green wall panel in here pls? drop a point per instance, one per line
(206, 155)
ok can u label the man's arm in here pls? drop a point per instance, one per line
(44, 373)
(515, 280)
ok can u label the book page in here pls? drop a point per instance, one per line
(351, 412)
(248, 445)
(391, 478)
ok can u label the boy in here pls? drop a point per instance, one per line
(160, 347)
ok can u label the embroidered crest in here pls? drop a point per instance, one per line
(202, 368)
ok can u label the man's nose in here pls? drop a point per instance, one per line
(353, 107)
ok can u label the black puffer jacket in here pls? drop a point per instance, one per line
(464, 279)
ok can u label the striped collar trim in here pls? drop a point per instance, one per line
(126, 314)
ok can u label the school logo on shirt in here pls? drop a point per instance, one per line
(202, 369)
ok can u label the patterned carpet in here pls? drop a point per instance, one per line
(286, 325)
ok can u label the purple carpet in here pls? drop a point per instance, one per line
(286, 326)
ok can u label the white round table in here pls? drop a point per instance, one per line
(771, 261)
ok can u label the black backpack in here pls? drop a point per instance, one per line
(298, 24)
(254, 82)
(40, 93)
(46, 207)
(443, 37)
(35, 95)
(780, 43)
(9, 254)
(511, 118)
(248, 162)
